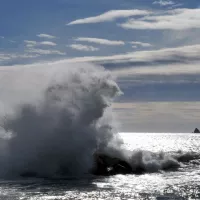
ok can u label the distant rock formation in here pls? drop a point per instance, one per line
(196, 130)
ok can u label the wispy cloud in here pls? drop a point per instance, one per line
(179, 60)
(4, 56)
(45, 51)
(81, 47)
(12, 41)
(142, 44)
(30, 43)
(134, 46)
(28, 54)
(100, 41)
(2, 37)
(43, 35)
(177, 19)
(11, 56)
(176, 5)
(164, 2)
(181, 54)
(110, 16)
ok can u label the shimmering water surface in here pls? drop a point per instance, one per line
(183, 183)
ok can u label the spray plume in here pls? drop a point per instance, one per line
(60, 117)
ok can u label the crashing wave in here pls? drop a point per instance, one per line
(61, 124)
(60, 130)
(138, 162)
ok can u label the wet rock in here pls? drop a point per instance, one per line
(106, 165)
(187, 157)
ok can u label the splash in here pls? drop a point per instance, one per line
(59, 120)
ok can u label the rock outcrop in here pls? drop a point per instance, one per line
(196, 130)
(106, 166)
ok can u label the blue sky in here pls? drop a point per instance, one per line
(152, 46)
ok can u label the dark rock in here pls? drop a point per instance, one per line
(28, 174)
(139, 170)
(196, 130)
(106, 165)
(120, 168)
(185, 158)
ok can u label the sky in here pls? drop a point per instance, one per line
(151, 46)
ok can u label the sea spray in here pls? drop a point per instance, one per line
(60, 118)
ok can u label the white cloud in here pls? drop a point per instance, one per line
(177, 19)
(30, 43)
(45, 51)
(42, 35)
(2, 37)
(81, 47)
(100, 41)
(110, 16)
(142, 44)
(48, 43)
(164, 2)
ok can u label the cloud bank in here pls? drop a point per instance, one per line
(181, 54)
(177, 19)
(167, 61)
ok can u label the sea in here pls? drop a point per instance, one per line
(179, 184)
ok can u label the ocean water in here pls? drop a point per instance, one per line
(182, 183)
(54, 117)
